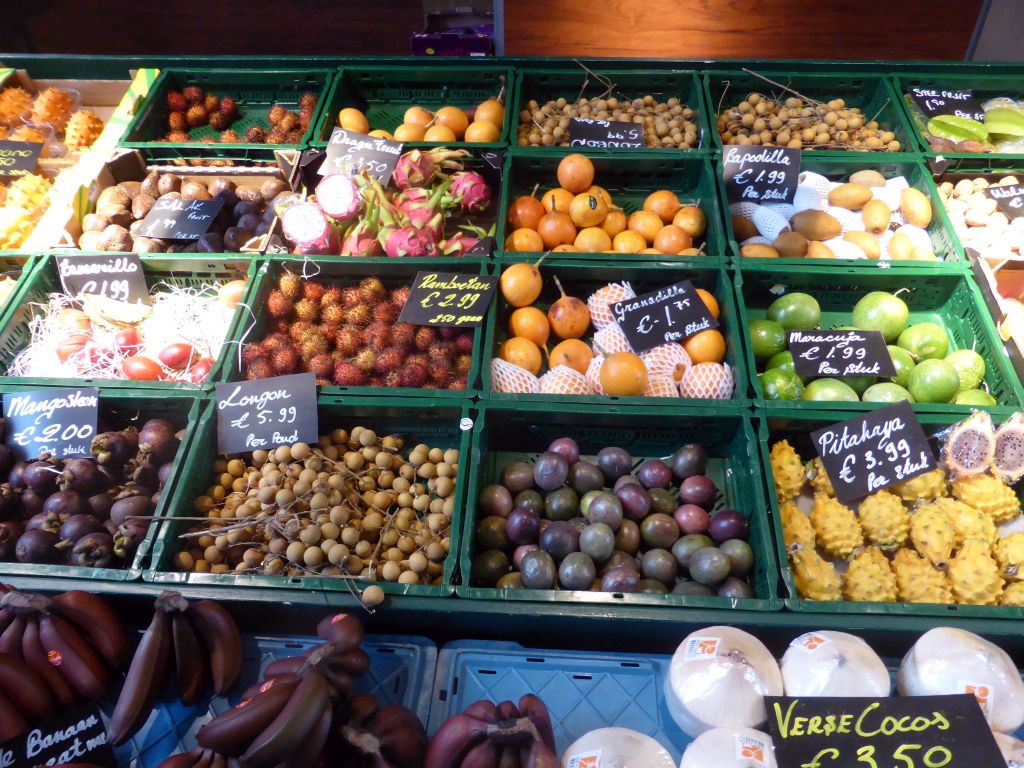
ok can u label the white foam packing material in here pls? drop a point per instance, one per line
(617, 748)
(850, 221)
(888, 195)
(744, 210)
(918, 236)
(808, 198)
(817, 182)
(730, 748)
(785, 210)
(883, 243)
(756, 240)
(843, 249)
(825, 663)
(769, 223)
(899, 183)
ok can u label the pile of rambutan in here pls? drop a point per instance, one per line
(350, 336)
(191, 108)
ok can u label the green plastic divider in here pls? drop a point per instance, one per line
(571, 81)
(795, 425)
(21, 267)
(581, 279)
(255, 91)
(440, 424)
(950, 300)
(119, 409)
(394, 273)
(871, 93)
(181, 270)
(629, 178)
(384, 93)
(505, 433)
(839, 168)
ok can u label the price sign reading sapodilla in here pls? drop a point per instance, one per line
(840, 353)
(448, 299)
(760, 174)
(894, 732)
(873, 451)
(674, 313)
(117, 277)
(60, 422)
(265, 413)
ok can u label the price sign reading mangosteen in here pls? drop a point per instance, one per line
(910, 731)
(940, 101)
(674, 313)
(18, 158)
(760, 174)
(874, 451)
(1009, 198)
(605, 134)
(118, 277)
(170, 219)
(840, 353)
(60, 422)
(266, 413)
(75, 736)
(354, 153)
(448, 299)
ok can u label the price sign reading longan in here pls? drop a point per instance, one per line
(757, 174)
(605, 134)
(1009, 198)
(897, 732)
(941, 101)
(448, 299)
(59, 422)
(840, 353)
(18, 158)
(266, 413)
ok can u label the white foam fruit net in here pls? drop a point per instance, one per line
(611, 339)
(707, 381)
(563, 380)
(601, 300)
(668, 361)
(594, 373)
(509, 378)
(661, 386)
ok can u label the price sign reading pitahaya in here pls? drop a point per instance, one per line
(18, 158)
(355, 153)
(1009, 198)
(670, 314)
(448, 299)
(873, 452)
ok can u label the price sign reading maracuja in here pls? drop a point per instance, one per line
(896, 732)
(674, 313)
(265, 413)
(18, 158)
(73, 736)
(1009, 198)
(448, 299)
(941, 101)
(354, 153)
(605, 134)
(840, 353)
(873, 451)
(117, 277)
(171, 219)
(60, 422)
(760, 174)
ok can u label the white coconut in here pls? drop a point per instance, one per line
(826, 663)
(618, 748)
(1012, 749)
(730, 748)
(950, 661)
(718, 678)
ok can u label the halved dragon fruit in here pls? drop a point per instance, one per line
(338, 196)
(1008, 456)
(470, 191)
(310, 230)
(970, 445)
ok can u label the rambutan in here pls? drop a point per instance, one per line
(230, 137)
(389, 360)
(320, 366)
(351, 297)
(308, 100)
(462, 365)
(372, 290)
(358, 316)
(464, 343)
(347, 374)
(284, 360)
(274, 341)
(440, 350)
(280, 325)
(298, 329)
(417, 359)
(276, 113)
(176, 121)
(279, 305)
(447, 332)
(424, 338)
(260, 369)
(312, 291)
(312, 345)
(414, 375)
(458, 385)
(386, 312)
(399, 296)
(403, 335)
(228, 107)
(251, 353)
(221, 123)
(332, 314)
(439, 371)
(307, 310)
(176, 101)
(197, 115)
(328, 332)
(393, 379)
(255, 134)
(348, 341)
(365, 360)
(290, 285)
(377, 336)
(331, 295)
(192, 93)
(429, 385)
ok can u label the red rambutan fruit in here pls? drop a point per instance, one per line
(389, 360)
(365, 360)
(307, 310)
(350, 297)
(403, 335)
(424, 338)
(440, 350)
(377, 336)
(284, 360)
(372, 290)
(358, 316)
(414, 375)
(464, 343)
(439, 371)
(176, 101)
(192, 94)
(332, 314)
(393, 379)
(321, 366)
(331, 295)
(462, 365)
(290, 285)
(251, 353)
(279, 305)
(348, 341)
(386, 312)
(312, 291)
(347, 374)
(399, 296)
(261, 369)
(299, 328)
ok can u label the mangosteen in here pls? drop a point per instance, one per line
(65, 504)
(83, 476)
(249, 221)
(9, 533)
(211, 242)
(100, 504)
(132, 506)
(41, 477)
(128, 538)
(95, 550)
(235, 238)
(6, 459)
(110, 526)
(145, 474)
(245, 208)
(157, 441)
(10, 502)
(114, 475)
(37, 546)
(164, 473)
(16, 477)
(114, 448)
(31, 503)
(230, 198)
(78, 526)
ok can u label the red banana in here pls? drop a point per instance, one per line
(11, 722)
(231, 732)
(146, 678)
(343, 630)
(291, 727)
(25, 687)
(533, 708)
(454, 740)
(98, 622)
(10, 640)
(290, 665)
(189, 660)
(265, 685)
(219, 634)
(486, 754)
(181, 760)
(35, 656)
(308, 752)
(74, 657)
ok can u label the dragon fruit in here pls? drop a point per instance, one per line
(459, 244)
(361, 241)
(423, 211)
(470, 191)
(338, 196)
(417, 168)
(409, 241)
(309, 229)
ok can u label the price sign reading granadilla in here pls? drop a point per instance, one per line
(265, 413)
(18, 158)
(1009, 198)
(670, 314)
(874, 451)
(447, 299)
(354, 153)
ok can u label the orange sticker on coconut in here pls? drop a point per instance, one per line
(810, 641)
(751, 750)
(982, 693)
(698, 648)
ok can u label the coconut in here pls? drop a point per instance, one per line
(730, 748)
(618, 748)
(825, 663)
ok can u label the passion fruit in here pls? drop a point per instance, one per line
(575, 173)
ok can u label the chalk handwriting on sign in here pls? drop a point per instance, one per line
(670, 314)
(1009, 198)
(448, 299)
(355, 153)
(941, 101)
(118, 276)
(74, 736)
(760, 174)
(836, 354)
(874, 451)
(265, 413)
(60, 422)
(18, 158)
(605, 134)
(171, 219)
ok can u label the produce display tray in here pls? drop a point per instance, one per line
(950, 300)
(401, 672)
(583, 690)
(439, 423)
(629, 178)
(20, 266)
(504, 434)
(384, 93)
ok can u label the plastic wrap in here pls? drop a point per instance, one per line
(825, 663)
(1012, 749)
(730, 748)
(616, 748)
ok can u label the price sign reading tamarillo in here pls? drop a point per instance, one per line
(354, 153)
(18, 158)
(758, 174)
(118, 277)
(60, 422)
(942, 101)
(1009, 198)
(266, 413)
(840, 353)
(874, 451)
(448, 299)
(904, 731)
(673, 313)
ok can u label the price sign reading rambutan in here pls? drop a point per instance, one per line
(448, 299)
(266, 413)
(18, 158)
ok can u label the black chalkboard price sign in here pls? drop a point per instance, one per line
(354, 153)
(448, 299)
(896, 732)
(1009, 198)
(873, 451)
(673, 313)
(840, 353)
(760, 174)
(180, 219)
(116, 276)
(60, 422)
(266, 413)
(942, 101)
(18, 158)
(605, 134)
(74, 736)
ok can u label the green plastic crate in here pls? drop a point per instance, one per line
(871, 93)
(439, 424)
(384, 93)
(344, 272)
(20, 267)
(183, 270)
(581, 280)
(796, 425)
(570, 81)
(255, 91)
(950, 300)
(629, 178)
(504, 434)
(944, 241)
(118, 410)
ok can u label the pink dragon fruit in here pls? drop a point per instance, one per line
(458, 244)
(361, 241)
(309, 230)
(338, 196)
(409, 241)
(417, 168)
(470, 191)
(423, 210)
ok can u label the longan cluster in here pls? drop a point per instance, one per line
(350, 506)
(801, 124)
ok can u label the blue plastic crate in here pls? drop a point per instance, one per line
(583, 690)
(401, 672)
